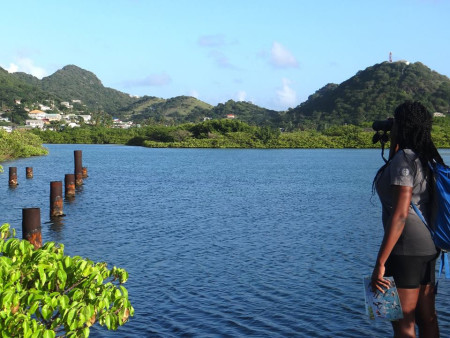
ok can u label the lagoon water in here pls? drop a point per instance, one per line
(222, 242)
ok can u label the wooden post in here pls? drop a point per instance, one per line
(69, 184)
(56, 200)
(84, 170)
(78, 167)
(29, 172)
(31, 226)
(12, 176)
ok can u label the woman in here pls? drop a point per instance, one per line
(407, 251)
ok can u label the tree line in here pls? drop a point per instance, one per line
(227, 133)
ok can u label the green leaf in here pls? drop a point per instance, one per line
(108, 321)
(42, 276)
(46, 312)
(49, 334)
(67, 261)
(33, 307)
(70, 316)
(64, 302)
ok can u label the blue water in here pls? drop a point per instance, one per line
(222, 242)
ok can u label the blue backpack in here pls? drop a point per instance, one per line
(441, 231)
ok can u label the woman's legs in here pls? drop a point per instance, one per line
(426, 317)
(405, 327)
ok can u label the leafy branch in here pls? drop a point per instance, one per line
(44, 293)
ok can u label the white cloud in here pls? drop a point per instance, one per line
(286, 96)
(280, 57)
(26, 65)
(241, 95)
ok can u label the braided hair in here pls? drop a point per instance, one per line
(414, 124)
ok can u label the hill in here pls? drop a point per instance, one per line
(175, 110)
(372, 94)
(182, 109)
(20, 86)
(74, 83)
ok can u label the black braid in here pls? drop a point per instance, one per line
(414, 124)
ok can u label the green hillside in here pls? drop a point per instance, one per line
(19, 86)
(372, 94)
(74, 83)
(175, 110)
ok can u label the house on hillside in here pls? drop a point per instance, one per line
(44, 107)
(66, 104)
(36, 114)
(53, 117)
(86, 118)
(7, 128)
(230, 116)
(35, 123)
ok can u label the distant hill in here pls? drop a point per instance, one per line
(175, 110)
(74, 83)
(370, 94)
(182, 109)
(19, 86)
(373, 94)
(247, 112)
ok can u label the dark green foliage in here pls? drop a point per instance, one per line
(373, 94)
(74, 83)
(180, 109)
(14, 86)
(247, 112)
(19, 144)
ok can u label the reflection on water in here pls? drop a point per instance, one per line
(56, 224)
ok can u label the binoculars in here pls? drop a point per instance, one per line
(381, 128)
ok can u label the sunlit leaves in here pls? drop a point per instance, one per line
(44, 293)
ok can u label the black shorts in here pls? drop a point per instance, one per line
(410, 272)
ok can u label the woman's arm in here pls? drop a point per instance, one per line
(396, 224)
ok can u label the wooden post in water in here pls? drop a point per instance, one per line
(69, 185)
(84, 170)
(31, 226)
(78, 167)
(56, 199)
(29, 172)
(12, 176)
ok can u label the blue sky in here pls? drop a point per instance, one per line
(274, 53)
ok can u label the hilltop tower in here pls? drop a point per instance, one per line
(390, 56)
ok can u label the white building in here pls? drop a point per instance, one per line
(53, 117)
(86, 118)
(37, 114)
(7, 128)
(35, 123)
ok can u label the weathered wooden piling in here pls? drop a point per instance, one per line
(31, 226)
(69, 185)
(84, 170)
(29, 172)
(12, 176)
(56, 199)
(78, 167)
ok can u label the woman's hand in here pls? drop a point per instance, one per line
(378, 282)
